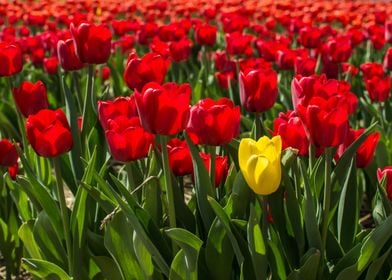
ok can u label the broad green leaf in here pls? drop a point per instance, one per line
(118, 241)
(26, 235)
(276, 261)
(309, 269)
(178, 268)
(375, 267)
(241, 196)
(108, 267)
(144, 257)
(44, 270)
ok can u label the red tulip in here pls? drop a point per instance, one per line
(239, 44)
(67, 55)
(206, 35)
(349, 69)
(290, 128)
(388, 32)
(387, 173)
(92, 42)
(258, 89)
(140, 71)
(105, 73)
(127, 140)
(11, 59)
(326, 120)
(305, 66)
(338, 49)
(221, 167)
(9, 157)
(379, 89)
(309, 37)
(180, 159)
(180, 50)
(225, 78)
(163, 109)
(388, 60)
(370, 69)
(50, 65)
(365, 152)
(49, 133)
(121, 106)
(213, 122)
(30, 98)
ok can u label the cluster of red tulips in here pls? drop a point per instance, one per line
(203, 139)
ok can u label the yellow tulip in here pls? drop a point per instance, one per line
(260, 163)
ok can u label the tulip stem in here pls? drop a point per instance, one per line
(168, 182)
(258, 126)
(263, 202)
(312, 156)
(76, 83)
(212, 152)
(88, 98)
(131, 180)
(327, 196)
(64, 212)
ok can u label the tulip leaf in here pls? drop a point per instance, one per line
(118, 241)
(256, 246)
(241, 196)
(108, 267)
(26, 235)
(144, 257)
(179, 270)
(190, 244)
(20, 199)
(44, 270)
(276, 261)
(221, 215)
(106, 203)
(203, 186)
(219, 253)
(347, 219)
(309, 269)
(375, 267)
(345, 160)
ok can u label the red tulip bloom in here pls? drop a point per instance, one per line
(180, 159)
(30, 98)
(388, 60)
(49, 133)
(50, 65)
(221, 167)
(11, 61)
(309, 37)
(365, 152)
(213, 122)
(388, 32)
(379, 89)
(127, 140)
(371, 69)
(67, 55)
(239, 44)
(92, 42)
(180, 50)
(164, 109)
(105, 73)
(326, 120)
(305, 66)
(387, 173)
(290, 128)
(258, 89)
(121, 106)
(205, 35)
(140, 71)
(269, 49)
(9, 157)
(225, 78)
(338, 49)
(349, 69)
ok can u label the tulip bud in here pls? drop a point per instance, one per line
(67, 56)
(387, 173)
(30, 98)
(11, 59)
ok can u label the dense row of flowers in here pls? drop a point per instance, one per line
(217, 140)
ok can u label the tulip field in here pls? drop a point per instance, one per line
(169, 139)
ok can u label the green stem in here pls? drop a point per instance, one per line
(76, 83)
(87, 106)
(212, 152)
(327, 197)
(168, 182)
(64, 212)
(263, 202)
(131, 180)
(258, 126)
(312, 156)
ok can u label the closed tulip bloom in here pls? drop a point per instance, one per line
(290, 128)
(140, 71)
(338, 49)
(310, 37)
(127, 140)
(371, 69)
(180, 50)
(92, 42)
(11, 59)
(305, 66)
(326, 120)
(221, 167)
(50, 65)
(239, 44)
(258, 89)
(49, 133)
(213, 122)
(387, 173)
(206, 35)
(260, 163)
(365, 152)
(112, 109)
(164, 109)
(388, 31)
(67, 55)
(180, 159)
(379, 89)
(8, 153)
(388, 60)
(30, 98)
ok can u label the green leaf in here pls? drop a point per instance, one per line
(188, 242)
(348, 209)
(221, 215)
(144, 257)
(309, 269)
(276, 261)
(203, 186)
(106, 204)
(219, 253)
(26, 235)
(44, 270)
(118, 241)
(178, 268)
(108, 267)
(256, 246)
(241, 196)
(376, 266)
